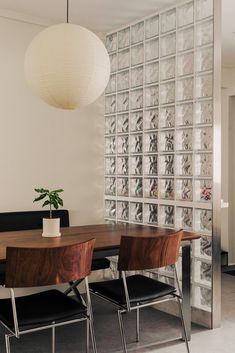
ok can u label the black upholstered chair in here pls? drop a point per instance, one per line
(138, 291)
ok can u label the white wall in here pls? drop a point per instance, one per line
(41, 146)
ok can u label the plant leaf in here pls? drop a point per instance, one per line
(42, 196)
(57, 191)
(46, 203)
(41, 190)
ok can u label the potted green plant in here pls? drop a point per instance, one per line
(51, 226)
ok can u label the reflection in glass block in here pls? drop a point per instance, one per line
(110, 145)
(184, 189)
(204, 112)
(202, 272)
(123, 80)
(151, 119)
(167, 93)
(136, 99)
(110, 208)
(123, 59)
(122, 101)
(110, 186)
(185, 64)
(203, 190)
(166, 141)
(136, 165)
(203, 247)
(166, 189)
(203, 139)
(204, 86)
(136, 143)
(185, 89)
(203, 164)
(167, 215)
(185, 14)
(123, 210)
(122, 122)
(136, 187)
(136, 212)
(186, 39)
(202, 298)
(184, 218)
(150, 165)
(184, 164)
(113, 62)
(122, 187)
(137, 54)
(151, 96)
(122, 144)
(168, 44)
(166, 164)
(167, 117)
(110, 104)
(151, 187)
(184, 140)
(151, 49)
(204, 33)
(152, 27)
(203, 220)
(110, 124)
(204, 8)
(111, 87)
(150, 142)
(122, 165)
(204, 59)
(124, 38)
(184, 114)
(111, 42)
(110, 166)
(136, 121)
(137, 32)
(151, 73)
(168, 21)
(167, 69)
(137, 77)
(150, 213)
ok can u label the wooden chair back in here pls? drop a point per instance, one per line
(142, 253)
(32, 267)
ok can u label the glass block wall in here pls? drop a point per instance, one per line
(159, 129)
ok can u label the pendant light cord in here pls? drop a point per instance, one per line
(67, 11)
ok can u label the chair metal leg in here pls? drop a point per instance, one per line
(87, 335)
(53, 339)
(183, 324)
(7, 340)
(122, 331)
(137, 325)
(93, 341)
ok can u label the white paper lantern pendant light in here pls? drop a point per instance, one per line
(67, 66)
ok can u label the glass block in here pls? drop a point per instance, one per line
(137, 77)
(203, 164)
(136, 187)
(122, 101)
(168, 280)
(186, 39)
(110, 145)
(136, 99)
(151, 73)
(184, 140)
(203, 190)
(204, 59)
(151, 96)
(113, 62)
(136, 121)
(150, 142)
(123, 59)
(137, 32)
(111, 42)
(124, 38)
(167, 117)
(110, 186)
(185, 14)
(204, 33)
(202, 272)
(123, 80)
(122, 123)
(184, 164)
(168, 21)
(184, 218)
(204, 112)
(111, 87)
(122, 165)
(185, 64)
(136, 143)
(110, 104)
(123, 210)
(166, 215)
(168, 45)
(167, 69)
(122, 186)
(136, 212)
(166, 189)
(151, 119)
(203, 221)
(166, 141)
(110, 208)
(184, 114)
(110, 166)
(202, 298)
(204, 8)
(110, 124)
(137, 54)
(167, 93)
(150, 165)
(184, 189)
(204, 86)
(151, 49)
(203, 247)
(136, 165)
(185, 89)
(122, 144)
(203, 138)
(166, 164)
(152, 27)
(151, 213)
(151, 188)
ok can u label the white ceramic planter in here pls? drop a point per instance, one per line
(51, 227)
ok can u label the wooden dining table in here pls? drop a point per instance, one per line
(107, 244)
